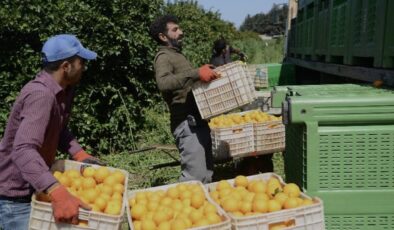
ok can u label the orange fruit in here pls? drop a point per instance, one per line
(118, 188)
(89, 172)
(230, 205)
(64, 180)
(137, 225)
(72, 173)
(119, 176)
(101, 173)
(101, 203)
(213, 218)
(223, 184)
(113, 208)
(110, 180)
(241, 181)
(197, 200)
(148, 225)
(173, 193)
(88, 183)
(378, 83)
(274, 205)
(138, 211)
(164, 226)
(260, 206)
(291, 202)
(292, 190)
(159, 217)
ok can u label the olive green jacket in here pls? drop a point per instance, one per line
(175, 76)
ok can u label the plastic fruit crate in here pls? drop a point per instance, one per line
(259, 75)
(235, 141)
(269, 137)
(340, 149)
(302, 218)
(41, 212)
(224, 225)
(232, 90)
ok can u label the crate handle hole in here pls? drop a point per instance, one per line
(282, 224)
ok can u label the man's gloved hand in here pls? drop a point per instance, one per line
(82, 156)
(207, 74)
(65, 206)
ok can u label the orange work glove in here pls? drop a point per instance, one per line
(207, 74)
(82, 156)
(65, 206)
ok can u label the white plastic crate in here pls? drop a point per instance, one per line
(224, 225)
(309, 217)
(232, 90)
(269, 137)
(41, 212)
(235, 141)
(259, 75)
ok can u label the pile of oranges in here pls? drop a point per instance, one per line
(181, 206)
(234, 119)
(99, 187)
(248, 198)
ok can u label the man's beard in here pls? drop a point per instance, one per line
(175, 43)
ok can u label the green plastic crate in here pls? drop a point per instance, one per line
(321, 27)
(388, 51)
(338, 28)
(366, 31)
(341, 150)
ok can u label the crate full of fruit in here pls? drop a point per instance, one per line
(102, 188)
(180, 206)
(265, 202)
(246, 134)
(232, 90)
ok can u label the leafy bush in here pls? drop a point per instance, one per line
(109, 112)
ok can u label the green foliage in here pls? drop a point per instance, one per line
(258, 50)
(109, 113)
(272, 23)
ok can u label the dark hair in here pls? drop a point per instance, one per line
(218, 46)
(160, 26)
(55, 65)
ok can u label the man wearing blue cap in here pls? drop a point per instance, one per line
(36, 128)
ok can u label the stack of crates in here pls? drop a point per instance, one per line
(339, 147)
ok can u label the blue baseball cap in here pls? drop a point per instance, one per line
(63, 46)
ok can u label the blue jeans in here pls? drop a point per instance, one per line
(14, 215)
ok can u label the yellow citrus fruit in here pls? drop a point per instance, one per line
(208, 208)
(57, 174)
(137, 225)
(281, 197)
(88, 183)
(159, 217)
(245, 207)
(202, 222)
(164, 226)
(106, 189)
(167, 201)
(178, 224)
(274, 205)
(138, 211)
(64, 180)
(186, 194)
(197, 200)
(89, 172)
(119, 176)
(72, 173)
(100, 202)
(77, 182)
(173, 193)
(260, 206)
(110, 180)
(291, 202)
(258, 187)
(230, 205)
(306, 202)
(118, 188)
(113, 208)
(117, 196)
(148, 224)
(292, 190)
(237, 214)
(213, 218)
(241, 181)
(101, 173)
(90, 194)
(223, 184)
(195, 215)
(260, 196)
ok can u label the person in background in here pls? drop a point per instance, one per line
(221, 53)
(175, 76)
(36, 129)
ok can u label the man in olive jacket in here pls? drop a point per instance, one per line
(175, 76)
